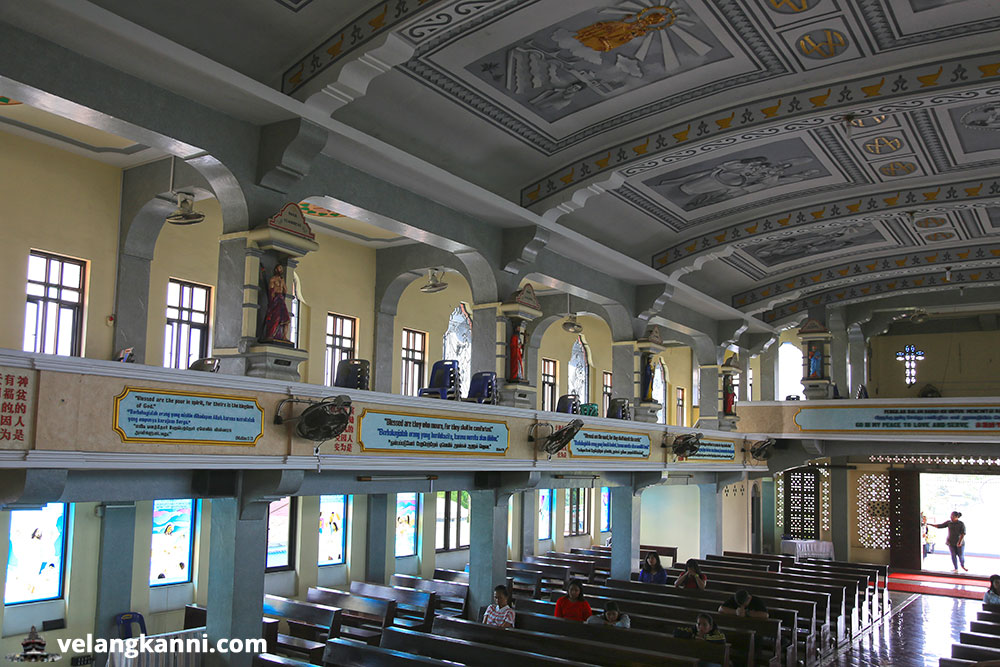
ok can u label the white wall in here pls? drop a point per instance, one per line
(670, 517)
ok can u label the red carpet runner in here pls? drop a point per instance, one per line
(928, 584)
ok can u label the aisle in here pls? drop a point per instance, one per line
(920, 631)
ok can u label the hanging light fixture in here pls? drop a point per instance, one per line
(184, 214)
(571, 325)
(434, 282)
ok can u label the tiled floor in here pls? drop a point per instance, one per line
(940, 561)
(921, 631)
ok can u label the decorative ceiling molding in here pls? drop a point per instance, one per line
(55, 136)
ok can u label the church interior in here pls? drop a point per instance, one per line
(711, 285)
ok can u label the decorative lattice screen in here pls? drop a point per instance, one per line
(779, 501)
(802, 504)
(873, 511)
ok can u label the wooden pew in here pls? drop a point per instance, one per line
(554, 577)
(452, 596)
(468, 653)
(602, 564)
(781, 559)
(969, 652)
(980, 639)
(664, 552)
(414, 608)
(753, 563)
(985, 627)
(882, 570)
(710, 652)
(364, 618)
(272, 660)
(197, 617)
(742, 641)
(524, 582)
(869, 579)
(578, 569)
(451, 575)
(347, 653)
(560, 646)
(309, 625)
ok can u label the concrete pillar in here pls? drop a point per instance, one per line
(484, 340)
(131, 305)
(488, 547)
(380, 549)
(236, 575)
(856, 355)
(840, 509)
(708, 401)
(710, 520)
(427, 536)
(114, 569)
(838, 351)
(625, 517)
(528, 520)
(559, 524)
(768, 380)
(236, 304)
(623, 371)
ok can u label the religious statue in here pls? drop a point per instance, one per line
(609, 35)
(276, 318)
(516, 371)
(815, 363)
(646, 385)
(728, 395)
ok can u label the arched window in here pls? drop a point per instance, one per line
(579, 371)
(458, 344)
(660, 391)
(789, 370)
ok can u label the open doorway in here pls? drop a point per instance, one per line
(977, 497)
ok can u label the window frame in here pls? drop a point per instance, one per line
(578, 505)
(344, 528)
(550, 384)
(78, 308)
(191, 537)
(292, 527)
(448, 547)
(552, 513)
(416, 526)
(333, 350)
(681, 413)
(416, 360)
(206, 328)
(606, 391)
(62, 561)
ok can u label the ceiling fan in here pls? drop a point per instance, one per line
(184, 214)
(434, 282)
(571, 325)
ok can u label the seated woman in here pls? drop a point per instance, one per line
(993, 593)
(612, 616)
(693, 577)
(705, 630)
(500, 614)
(652, 572)
(572, 605)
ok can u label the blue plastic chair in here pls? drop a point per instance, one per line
(619, 408)
(483, 388)
(125, 622)
(570, 404)
(353, 374)
(444, 381)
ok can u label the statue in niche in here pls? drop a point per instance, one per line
(646, 384)
(815, 362)
(728, 395)
(276, 318)
(516, 371)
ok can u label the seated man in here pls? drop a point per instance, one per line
(744, 604)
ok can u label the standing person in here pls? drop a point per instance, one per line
(956, 540)
(652, 572)
(693, 577)
(500, 614)
(744, 604)
(572, 605)
(612, 616)
(993, 593)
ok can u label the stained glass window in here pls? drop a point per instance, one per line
(332, 530)
(36, 555)
(605, 509)
(789, 371)
(802, 504)
(172, 543)
(660, 392)
(546, 501)
(579, 371)
(458, 345)
(406, 524)
(280, 534)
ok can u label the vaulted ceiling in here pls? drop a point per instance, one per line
(774, 154)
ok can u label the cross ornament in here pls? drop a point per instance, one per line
(910, 355)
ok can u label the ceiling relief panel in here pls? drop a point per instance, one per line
(896, 24)
(554, 73)
(961, 136)
(855, 236)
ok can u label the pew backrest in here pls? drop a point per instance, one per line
(374, 611)
(346, 653)
(452, 595)
(466, 652)
(409, 601)
(452, 575)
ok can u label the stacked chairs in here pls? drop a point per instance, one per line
(483, 388)
(570, 404)
(444, 381)
(590, 410)
(353, 374)
(620, 408)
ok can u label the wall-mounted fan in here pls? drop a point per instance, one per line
(686, 444)
(321, 420)
(762, 449)
(557, 440)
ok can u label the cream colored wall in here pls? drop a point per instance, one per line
(960, 364)
(558, 344)
(338, 278)
(671, 516)
(678, 364)
(64, 204)
(735, 517)
(754, 367)
(183, 252)
(428, 313)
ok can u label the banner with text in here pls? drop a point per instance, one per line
(394, 432)
(972, 419)
(17, 407)
(714, 450)
(155, 415)
(610, 444)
